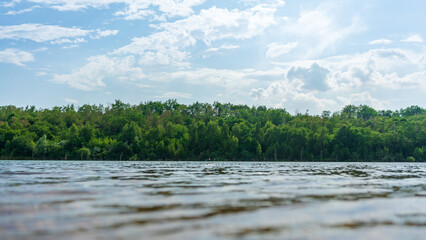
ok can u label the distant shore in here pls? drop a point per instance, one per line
(219, 132)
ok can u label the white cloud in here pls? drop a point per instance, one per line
(379, 78)
(278, 95)
(70, 100)
(391, 69)
(74, 5)
(42, 49)
(92, 75)
(229, 47)
(319, 30)
(105, 33)
(140, 85)
(168, 46)
(10, 3)
(66, 40)
(383, 61)
(172, 95)
(223, 47)
(15, 56)
(288, 95)
(52, 33)
(276, 50)
(313, 78)
(380, 41)
(363, 98)
(70, 46)
(414, 81)
(414, 38)
(158, 48)
(40, 74)
(222, 84)
(22, 10)
(228, 79)
(170, 8)
(307, 78)
(133, 9)
(39, 33)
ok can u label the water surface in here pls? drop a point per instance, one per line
(210, 200)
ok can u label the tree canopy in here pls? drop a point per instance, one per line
(219, 131)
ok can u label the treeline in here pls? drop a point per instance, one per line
(172, 131)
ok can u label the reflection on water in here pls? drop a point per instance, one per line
(199, 200)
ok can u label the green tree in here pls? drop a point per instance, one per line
(84, 153)
(21, 146)
(41, 147)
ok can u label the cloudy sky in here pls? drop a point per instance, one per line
(296, 54)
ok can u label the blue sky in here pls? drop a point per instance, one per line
(297, 55)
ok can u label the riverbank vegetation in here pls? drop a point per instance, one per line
(172, 131)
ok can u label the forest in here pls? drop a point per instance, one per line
(201, 131)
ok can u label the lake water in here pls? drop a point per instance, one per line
(211, 200)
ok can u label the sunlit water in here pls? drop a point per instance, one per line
(210, 200)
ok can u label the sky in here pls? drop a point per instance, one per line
(301, 55)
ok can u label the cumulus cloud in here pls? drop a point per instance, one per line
(10, 3)
(390, 53)
(39, 33)
(133, 9)
(168, 45)
(319, 30)
(378, 77)
(158, 48)
(15, 56)
(92, 75)
(313, 78)
(285, 94)
(66, 40)
(377, 68)
(50, 33)
(71, 100)
(141, 85)
(223, 84)
(257, 93)
(275, 50)
(104, 33)
(74, 5)
(22, 10)
(172, 95)
(228, 79)
(380, 41)
(413, 38)
(169, 8)
(307, 79)
(223, 47)
(141, 9)
(363, 98)
(412, 81)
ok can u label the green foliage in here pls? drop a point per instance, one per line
(172, 131)
(84, 153)
(21, 147)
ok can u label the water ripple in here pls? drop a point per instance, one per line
(208, 200)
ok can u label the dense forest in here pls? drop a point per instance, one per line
(172, 131)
